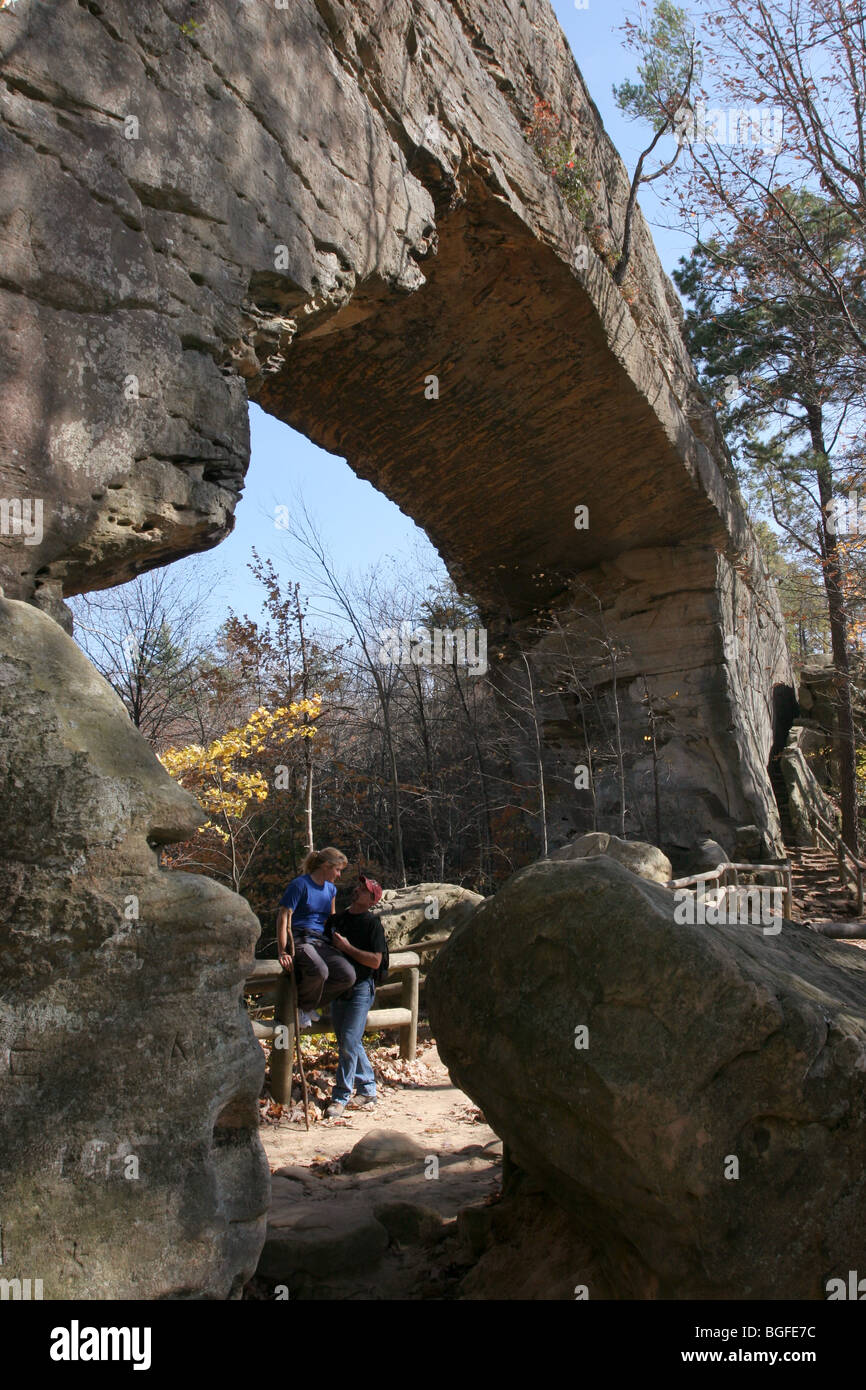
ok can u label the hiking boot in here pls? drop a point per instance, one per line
(363, 1102)
(335, 1110)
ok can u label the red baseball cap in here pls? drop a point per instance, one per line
(372, 886)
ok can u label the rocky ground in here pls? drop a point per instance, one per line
(381, 1203)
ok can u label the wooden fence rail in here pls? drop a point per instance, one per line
(268, 975)
(779, 868)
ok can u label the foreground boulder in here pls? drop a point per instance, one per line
(129, 1146)
(317, 1241)
(695, 1096)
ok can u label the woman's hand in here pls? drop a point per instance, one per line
(286, 961)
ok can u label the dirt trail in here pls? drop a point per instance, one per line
(391, 1230)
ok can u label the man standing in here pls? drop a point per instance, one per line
(361, 937)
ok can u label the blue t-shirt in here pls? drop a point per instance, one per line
(310, 904)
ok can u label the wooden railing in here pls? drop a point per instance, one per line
(268, 975)
(779, 867)
(831, 837)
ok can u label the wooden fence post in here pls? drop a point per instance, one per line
(284, 1032)
(409, 1000)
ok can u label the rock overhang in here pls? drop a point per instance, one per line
(221, 188)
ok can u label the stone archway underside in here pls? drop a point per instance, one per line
(315, 207)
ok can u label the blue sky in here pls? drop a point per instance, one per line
(359, 524)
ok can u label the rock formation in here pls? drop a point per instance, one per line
(329, 207)
(707, 1130)
(807, 804)
(332, 208)
(129, 1075)
(644, 860)
(425, 910)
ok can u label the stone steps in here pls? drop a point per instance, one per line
(818, 893)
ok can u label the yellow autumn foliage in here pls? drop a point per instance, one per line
(216, 776)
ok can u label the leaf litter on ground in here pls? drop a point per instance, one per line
(392, 1072)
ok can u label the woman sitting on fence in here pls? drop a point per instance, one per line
(322, 970)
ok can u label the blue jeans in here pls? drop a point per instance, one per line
(353, 1068)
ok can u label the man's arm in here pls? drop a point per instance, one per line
(284, 936)
(372, 959)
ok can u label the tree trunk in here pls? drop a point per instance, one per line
(384, 702)
(539, 756)
(654, 743)
(428, 764)
(308, 743)
(833, 577)
(487, 837)
(395, 800)
(619, 754)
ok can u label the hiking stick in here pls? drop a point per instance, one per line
(298, 1035)
(301, 1064)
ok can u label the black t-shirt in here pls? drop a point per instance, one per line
(362, 930)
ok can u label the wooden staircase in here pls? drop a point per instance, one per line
(819, 896)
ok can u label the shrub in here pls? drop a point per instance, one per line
(558, 156)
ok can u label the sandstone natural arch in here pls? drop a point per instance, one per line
(316, 206)
(319, 206)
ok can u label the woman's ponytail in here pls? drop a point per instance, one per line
(317, 857)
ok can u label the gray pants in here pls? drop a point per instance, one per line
(323, 972)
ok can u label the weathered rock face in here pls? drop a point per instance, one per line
(425, 910)
(324, 206)
(817, 698)
(705, 1045)
(683, 646)
(806, 798)
(129, 1074)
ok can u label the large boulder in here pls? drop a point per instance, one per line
(711, 1123)
(425, 910)
(129, 1146)
(751, 845)
(320, 1241)
(643, 859)
(708, 855)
